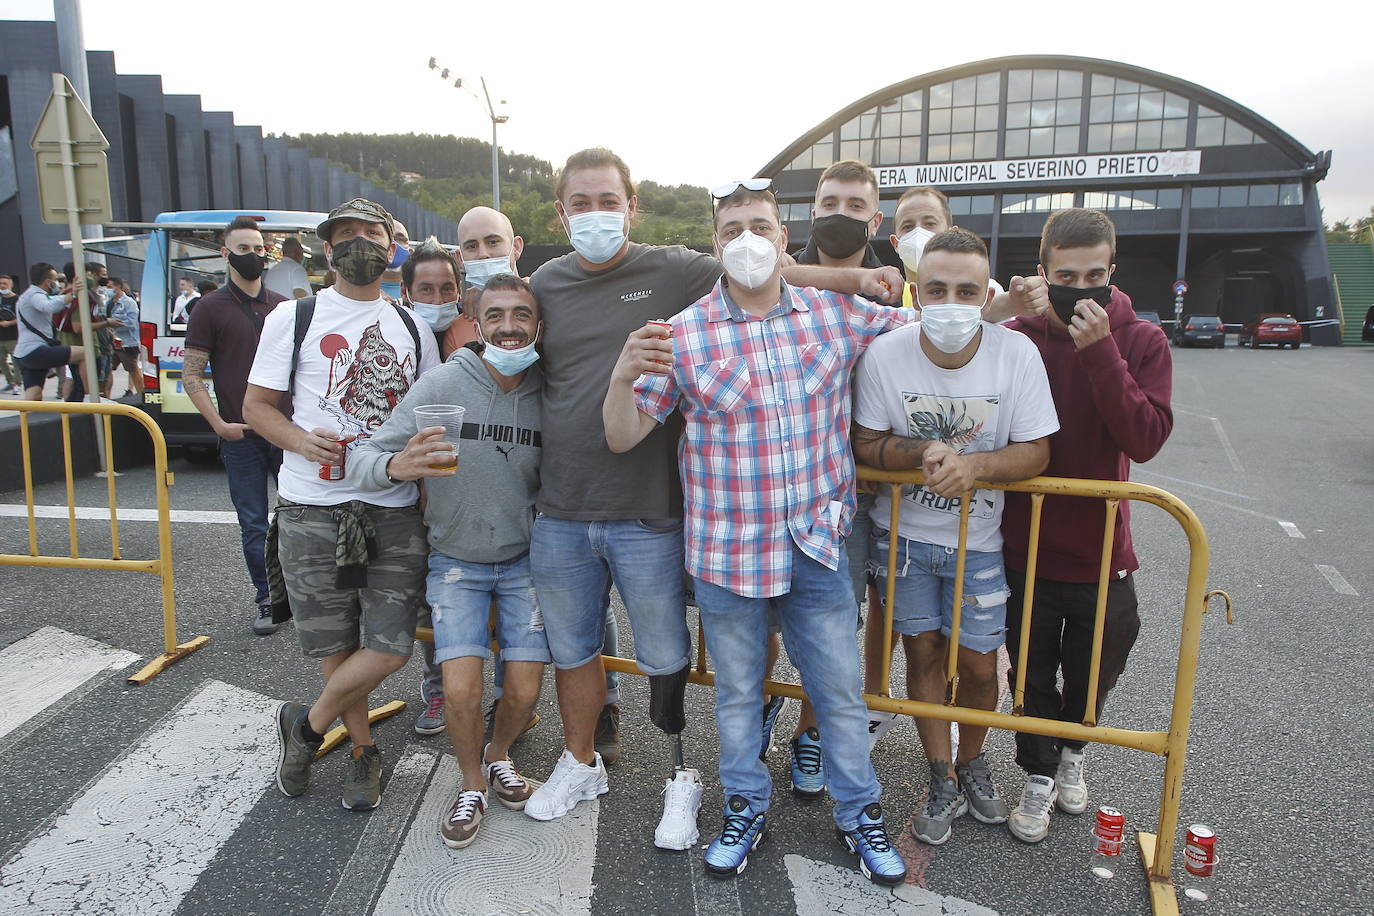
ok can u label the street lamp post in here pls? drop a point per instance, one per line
(485, 100)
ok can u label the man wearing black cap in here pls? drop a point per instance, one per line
(353, 561)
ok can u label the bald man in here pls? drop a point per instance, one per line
(391, 277)
(487, 246)
(288, 277)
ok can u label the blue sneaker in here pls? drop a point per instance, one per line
(771, 711)
(878, 858)
(728, 854)
(808, 768)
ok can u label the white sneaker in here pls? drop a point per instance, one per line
(681, 801)
(570, 783)
(1072, 795)
(879, 724)
(1030, 820)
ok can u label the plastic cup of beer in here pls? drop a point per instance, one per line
(450, 417)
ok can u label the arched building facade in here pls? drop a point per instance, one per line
(1200, 188)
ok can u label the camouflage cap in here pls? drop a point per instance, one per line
(357, 208)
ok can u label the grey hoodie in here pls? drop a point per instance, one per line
(485, 512)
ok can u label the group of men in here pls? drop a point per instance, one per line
(658, 420)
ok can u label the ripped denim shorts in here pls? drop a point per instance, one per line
(924, 595)
(466, 598)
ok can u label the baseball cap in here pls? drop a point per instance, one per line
(357, 208)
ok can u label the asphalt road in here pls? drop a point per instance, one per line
(1272, 450)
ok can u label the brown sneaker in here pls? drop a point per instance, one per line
(459, 827)
(512, 789)
(608, 733)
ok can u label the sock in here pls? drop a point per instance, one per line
(308, 734)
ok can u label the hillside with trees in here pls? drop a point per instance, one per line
(457, 176)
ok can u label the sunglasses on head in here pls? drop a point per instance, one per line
(749, 184)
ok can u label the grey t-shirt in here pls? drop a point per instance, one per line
(587, 317)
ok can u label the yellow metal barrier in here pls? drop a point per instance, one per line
(162, 479)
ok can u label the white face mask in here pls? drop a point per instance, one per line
(749, 259)
(597, 235)
(910, 246)
(439, 317)
(950, 327)
(477, 272)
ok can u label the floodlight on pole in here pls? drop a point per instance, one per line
(485, 101)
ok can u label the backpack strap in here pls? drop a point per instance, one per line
(305, 312)
(414, 334)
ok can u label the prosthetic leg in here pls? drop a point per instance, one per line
(667, 702)
(682, 792)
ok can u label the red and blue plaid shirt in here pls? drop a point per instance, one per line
(765, 455)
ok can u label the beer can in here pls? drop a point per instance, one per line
(1108, 832)
(334, 472)
(1200, 851)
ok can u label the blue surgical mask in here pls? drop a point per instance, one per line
(392, 290)
(597, 235)
(439, 317)
(478, 272)
(511, 362)
(399, 258)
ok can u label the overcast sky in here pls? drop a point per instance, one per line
(707, 91)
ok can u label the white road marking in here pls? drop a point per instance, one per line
(102, 514)
(1288, 527)
(1292, 530)
(45, 666)
(822, 889)
(384, 831)
(710, 896)
(136, 840)
(516, 865)
(1221, 435)
(1337, 580)
(1140, 469)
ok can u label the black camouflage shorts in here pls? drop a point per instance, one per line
(382, 616)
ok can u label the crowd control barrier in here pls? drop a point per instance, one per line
(162, 479)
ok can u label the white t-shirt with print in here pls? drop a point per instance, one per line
(357, 362)
(1002, 395)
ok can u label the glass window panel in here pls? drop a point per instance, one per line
(1144, 199)
(960, 146)
(987, 117)
(1175, 106)
(824, 154)
(1237, 135)
(1126, 86)
(939, 120)
(1067, 111)
(958, 206)
(1046, 84)
(866, 125)
(1042, 141)
(1264, 195)
(1126, 108)
(851, 149)
(1018, 85)
(1103, 85)
(912, 101)
(1100, 138)
(1018, 115)
(1123, 137)
(1204, 112)
(985, 145)
(1042, 114)
(1018, 142)
(1147, 135)
(891, 125)
(911, 124)
(1290, 195)
(1065, 141)
(1095, 200)
(851, 130)
(1151, 105)
(1070, 84)
(989, 88)
(802, 162)
(1100, 109)
(1062, 200)
(1175, 134)
(911, 149)
(1170, 198)
(939, 149)
(1204, 197)
(890, 151)
(965, 91)
(1234, 195)
(941, 96)
(962, 118)
(1209, 131)
(980, 203)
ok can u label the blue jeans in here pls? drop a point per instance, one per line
(460, 595)
(574, 564)
(248, 464)
(924, 593)
(817, 617)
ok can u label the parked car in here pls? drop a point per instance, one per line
(1151, 317)
(1280, 330)
(1367, 335)
(1201, 331)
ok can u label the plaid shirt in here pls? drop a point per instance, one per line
(765, 455)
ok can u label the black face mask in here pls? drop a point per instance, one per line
(839, 235)
(103, 281)
(249, 266)
(1064, 298)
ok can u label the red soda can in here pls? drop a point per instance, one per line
(1109, 832)
(334, 472)
(1200, 851)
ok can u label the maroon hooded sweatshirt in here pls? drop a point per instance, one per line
(1113, 401)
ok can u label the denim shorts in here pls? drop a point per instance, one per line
(461, 596)
(924, 595)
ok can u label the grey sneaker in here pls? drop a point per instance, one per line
(1071, 791)
(975, 779)
(944, 804)
(431, 721)
(608, 734)
(362, 789)
(295, 753)
(262, 624)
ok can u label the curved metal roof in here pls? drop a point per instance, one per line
(1263, 127)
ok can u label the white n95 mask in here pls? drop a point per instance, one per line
(910, 246)
(749, 259)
